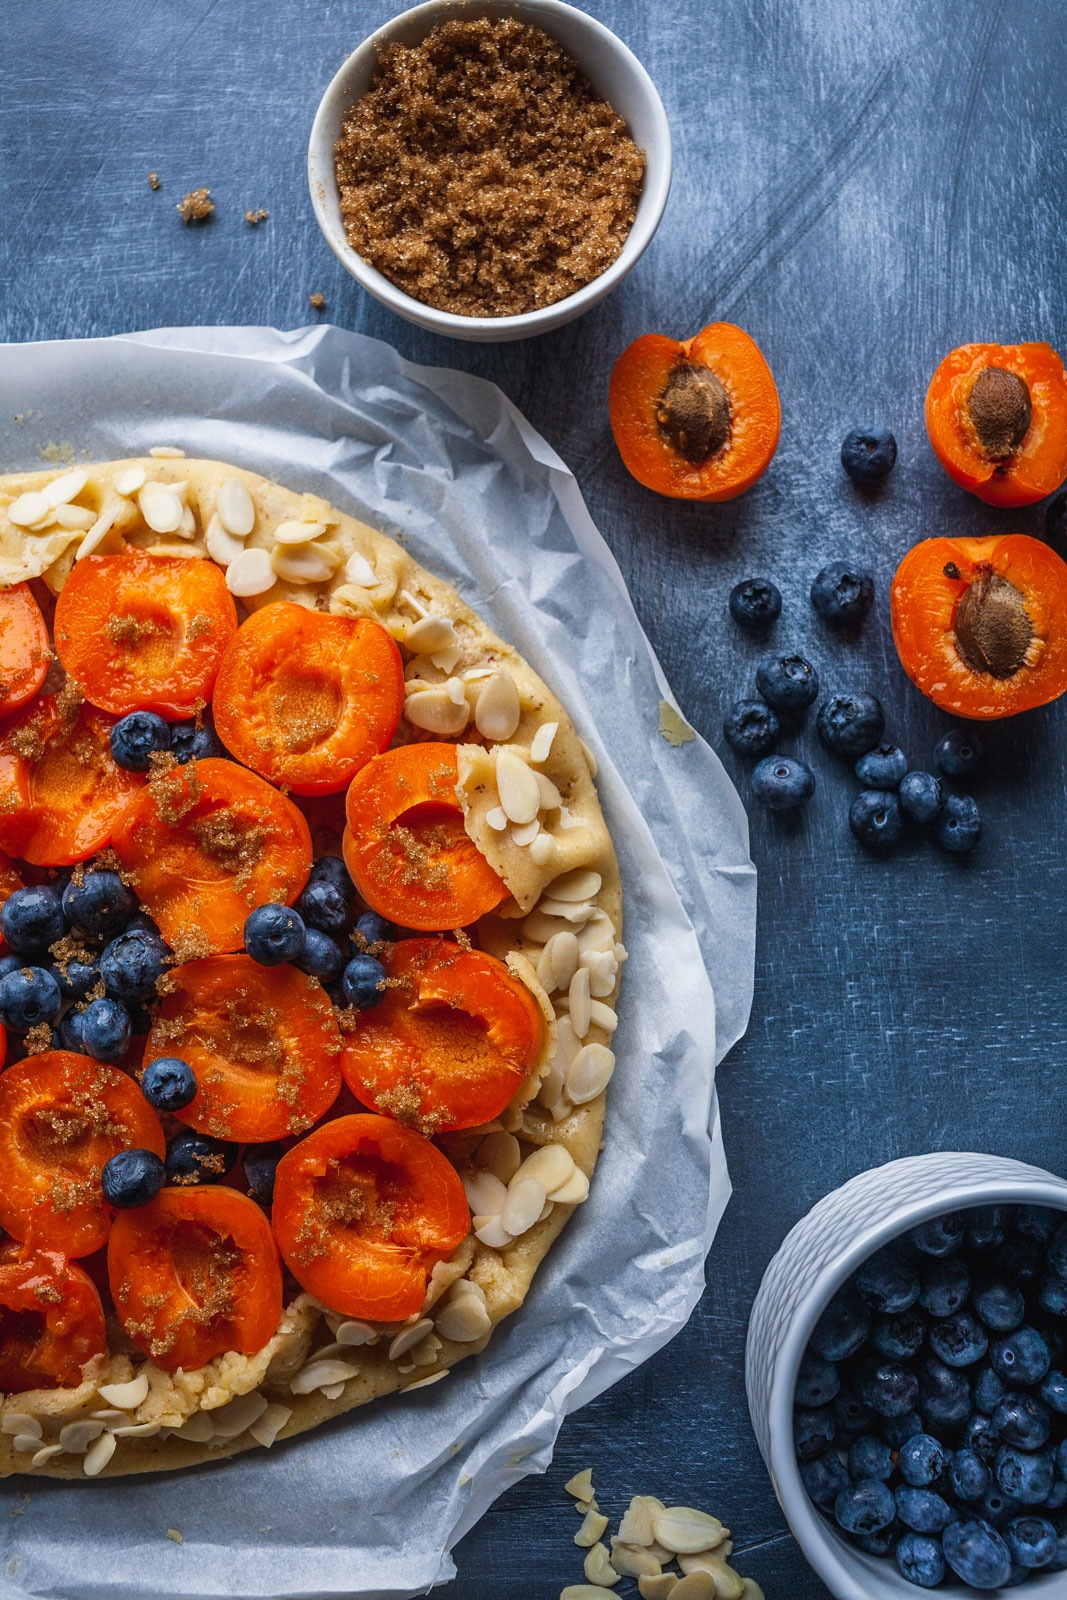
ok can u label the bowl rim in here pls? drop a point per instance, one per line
(651, 202)
(819, 1543)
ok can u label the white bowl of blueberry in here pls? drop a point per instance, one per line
(907, 1376)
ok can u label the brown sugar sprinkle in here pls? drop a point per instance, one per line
(130, 632)
(154, 181)
(233, 841)
(482, 173)
(318, 301)
(38, 1039)
(197, 206)
(255, 217)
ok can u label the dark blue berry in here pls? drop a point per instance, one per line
(921, 1509)
(887, 1282)
(979, 1435)
(869, 1457)
(70, 1032)
(135, 739)
(141, 923)
(132, 965)
(941, 1236)
(132, 1178)
(944, 1394)
(842, 1328)
(195, 1158)
(865, 1508)
(998, 1508)
(824, 1478)
(985, 1224)
(960, 1340)
(946, 1283)
(333, 870)
(921, 795)
(190, 743)
(1022, 1356)
(1022, 1261)
(274, 934)
(1056, 1498)
(28, 997)
(106, 1030)
(322, 905)
(813, 1432)
(842, 596)
(322, 956)
(868, 454)
(999, 1305)
(920, 1559)
(1026, 1477)
(959, 827)
(899, 1337)
(874, 817)
(968, 1476)
(755, 603)
(374, 930)
(1053, 1392)
(751, 728)
(1057, 1251)
(976, 1553)
(921, 1460)
(989, 1390)
(852, 1415)
(898, 1430)
(882, 768)
(1020, 1419)
(881, 1543)
(260, 1162)
(789, 683)
(31, 919)
(11, 963)
(363, 982)
(168, 1083)
(1037, 1222)
(851, 724)
(1061, 1458)
(1031, 1540)
(817, 1382)
(75, 977)
(780, 783)
(959, 753)
(888, 1388)
(101, 903)
(1052, 1295)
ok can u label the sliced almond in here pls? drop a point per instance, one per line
(580, 884)
(499, 1154)
(594, 1526)
(75, 517)
(231, 1420)
(558, 961)
(408, 1338)
(658, 1588)
(25, 1444)
(492, 1232)
(65, 488)
(636, 1525)
(681, 1528)
(333, 1391)
(551, 799)
(21, 1422)
(160, 507)
(76, 1437)
(750, 1590)
(573, 1192)
(581, 1485)
(517, 787)
(126, 1396)
(167, 452)
(598, 1569)
(585, 1591)
(266, 1428)
(463, 1320)
(496, 715)
(221, 545)
(497, 818)
(456, 692)
(98, 1455)
(541, 743)
(523, 1206)
(633, 1560)
(435, 711)
(46, 1454)
(196, 1429)
(602, 1016)
(486, 1193)
(543, 849)
(295, 533)
(696, 1586)
(358, 570)
(577, 912)
(129, 481)
(319, 1373)
(135, 1430)
(306, 563)
(589, 1074)
(250, 574)
(424, 1383)
(527, 833)
(354, 1332)
(552, 1165)
(430, 633)
(235, 509)
(579, 1002)
(28, 508)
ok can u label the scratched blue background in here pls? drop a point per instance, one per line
(862, 184)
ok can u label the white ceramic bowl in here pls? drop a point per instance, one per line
(614, 72)
(813, 1262)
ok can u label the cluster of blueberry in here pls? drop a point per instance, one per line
(930, 1413)
(136, 738)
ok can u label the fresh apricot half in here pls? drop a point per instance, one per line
(997, 419)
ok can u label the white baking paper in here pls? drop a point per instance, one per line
(371, 1504)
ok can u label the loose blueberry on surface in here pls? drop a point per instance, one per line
(824, 1478)
(959, 1340)
(874, 817)
(851, 724)
(168, 1083)
(1031, 1540)
(921, 796)
(920, 1559)
(958, 754)
(868, 454)
(363, 982)
(865, 1508)
(789, 683)
(101, 903)
(968, 1476)
(190, 743)
(1026, 1477)
(921, 1460)
(898, 1430)
(842, 1328)
(28, 997)
(999, 1305)
(921, 1509)
(841, 596)
(882, 768)
(1053, 1391)
(260, 1162)
(941, 1236)
(323, 905)
(194, 1158)
(852, 1415)
(70, 1032)
(1021, 1356)
(132, 1178)
(813, 1432)
(106, 1030)
(888, 1388)
(374, 930)
(869, 1457)
(780, 783)
(132, 965)
(274, 934)
(751, 728)
(899, 1337)
(976, 1553)
(31, 919)
(817, 1382)
(322, 956)
(887, 1282)
(136, 738)
(755, 603)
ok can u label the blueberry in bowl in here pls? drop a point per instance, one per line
(788, 683)
(841, 596)
(755, 603)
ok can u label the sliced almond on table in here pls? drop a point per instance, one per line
(594, 1526)
(657, 1588)
(633, 1560)
(167, 452)
(598, 1569)
(726, 1583)
(581, 1485)
(696, 1586)
(636, 1525)
(585, 1591)
(682, 1528)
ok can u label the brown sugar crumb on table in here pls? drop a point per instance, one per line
(255, 217)
(318, 301)
(154, 181)
(482, 174)
(197, 205)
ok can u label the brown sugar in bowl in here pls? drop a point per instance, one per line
(615, 74)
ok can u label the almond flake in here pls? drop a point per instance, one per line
(28, 508)
(552, 1165)
(541, 743)
(126, 1396)
(76, 1437)
(98, 1455)
(21, 1422)
(424, 1383)
(517, 788)
(304, 563)
(594, 1526)
(25, 1444)
(297, 533)
(221, 545)
(160, 507)
(657, 1588)
(250, 574)
(582, 883)
(543, 849)
(46, 1454)
(129, 481)
(435, 711)
(486, 1193)
(527, 834)
(598, 1569)
(166, 452)
(232, 1419)
(588, 1075)
(497, 819)
(317, 1374)
(581, 1485)
(65, 488)
(408, 1338)
(359, 571)
(633, 1560)
(496, 715)
(500, 1155)
(430, 633)
(75, 517)
(525, 1199)
(463, 1320)
(491, 1232)
(573, 1192)
(579, 1003)
(235, 509)
(585, 1591)
(354, 1332)
(681, 1528)
(267, 1427)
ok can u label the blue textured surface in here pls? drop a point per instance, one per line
(862, 186)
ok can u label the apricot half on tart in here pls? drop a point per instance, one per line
(997, 419)
(696, 419)
(980, 625)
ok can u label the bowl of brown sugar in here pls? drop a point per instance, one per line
(490, 169)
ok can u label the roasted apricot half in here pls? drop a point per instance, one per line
(406, 847)
(696, 419)
(62, 1118)
(363, 1211)
(61, 792)
(980, 625)
(205, 844)
(263, 1042)
(24, 648)
(451, 1042)
(997, 419)
(139, 632)
(193, 1274)
(51, 1321)
(305, 699)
